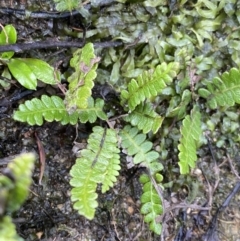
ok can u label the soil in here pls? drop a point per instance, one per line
(48, 213)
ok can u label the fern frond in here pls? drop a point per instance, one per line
(191, 132)
(16, 192)
(148, 84)
(145, 118)
(81, 81)
(93, 111)
(224, 91)
(151, 204)
(49, 108)
(137, 146)
(99, 163)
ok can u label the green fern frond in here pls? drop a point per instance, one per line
(93, 111)
(191, 132)
(13, 193)
(224, 91)
(151, 204)
(145, 118)
(99, 163)
(81, 81)
(148, 84)
(137, 146)
(49, 108)
(14, 189)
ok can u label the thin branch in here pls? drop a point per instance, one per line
(216, 168)
(56, 15)
(118, 117)
(42, 158)
(234, 171)
(51, 44)
(37, 14)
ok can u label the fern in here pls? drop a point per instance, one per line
(81, 81)
(151, 204)
(49, 108)
(148, 84)
(145, 118)
(21, 169)
(93, 111)
(138, 147)
(14, 188)
(191, 132)
(53, 109)
(99, 163)
(224, 91)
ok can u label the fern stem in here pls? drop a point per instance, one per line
(158, 189)
(118, 117)
(100, 148)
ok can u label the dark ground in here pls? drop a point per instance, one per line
(48, 213)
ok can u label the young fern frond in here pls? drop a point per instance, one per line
(151, 204)
(191, 132)
(148, 84)
(93, 111)
(81, 81)
(145, 118)
(224, 91)
(137, 146)
(49, 108)
(99, 163)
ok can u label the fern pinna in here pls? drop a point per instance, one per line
(145, 118)
(99, 163)
(137, 146)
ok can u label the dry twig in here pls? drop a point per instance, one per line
(42, 158)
